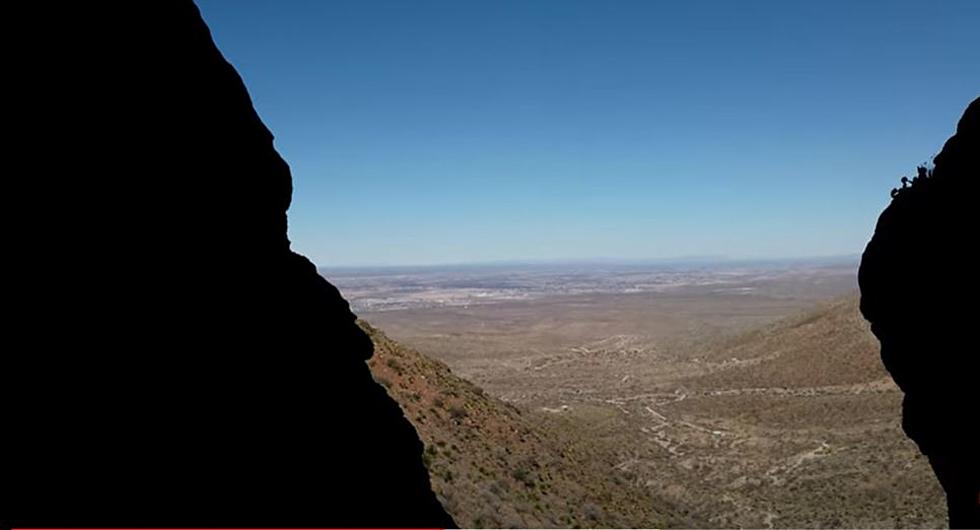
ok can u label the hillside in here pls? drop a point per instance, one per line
(791, 424)
(830, 345)
(495, 465)
(806, 428)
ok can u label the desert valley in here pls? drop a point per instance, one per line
(694, 393)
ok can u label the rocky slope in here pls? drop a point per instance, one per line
(496, 465)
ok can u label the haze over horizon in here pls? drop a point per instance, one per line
(694, 261)
(443, 132)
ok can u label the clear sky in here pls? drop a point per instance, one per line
(424, 132)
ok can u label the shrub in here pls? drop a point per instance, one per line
(522, 475)
(456, 412)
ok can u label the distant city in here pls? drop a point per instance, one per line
(395, 288)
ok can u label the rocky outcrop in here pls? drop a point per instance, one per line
(918, 289)
(173, 361)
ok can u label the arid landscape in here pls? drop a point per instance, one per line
(678, 394)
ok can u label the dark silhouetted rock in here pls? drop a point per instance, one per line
(171, 361)
(918, 280)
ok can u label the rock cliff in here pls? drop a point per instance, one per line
(918, 290)
(173, 361)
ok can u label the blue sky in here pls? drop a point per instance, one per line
(423, 132)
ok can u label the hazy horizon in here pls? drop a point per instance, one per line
(608, 261)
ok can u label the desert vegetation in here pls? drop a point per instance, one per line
(697, 407)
